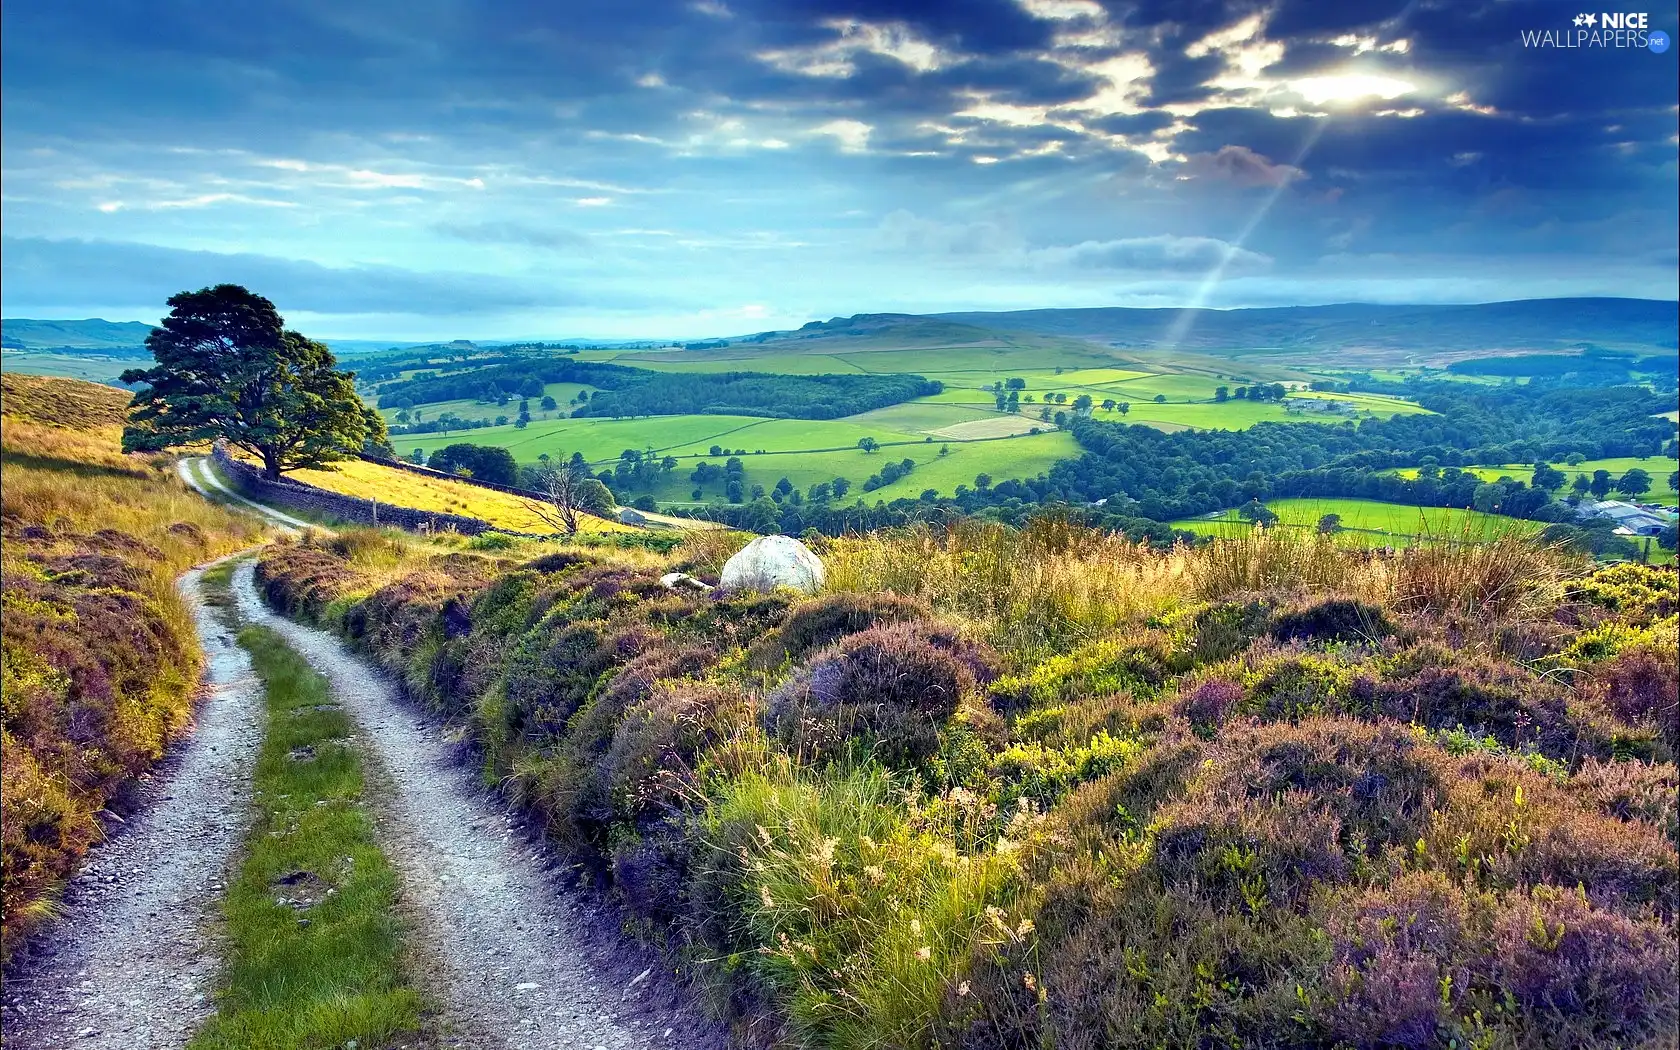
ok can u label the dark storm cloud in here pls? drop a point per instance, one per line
(41, 272)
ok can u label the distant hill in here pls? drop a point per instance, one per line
(1425, 333)
(22, 333)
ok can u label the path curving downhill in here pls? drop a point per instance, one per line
(519, 962)
(201, 478)
(131, 964)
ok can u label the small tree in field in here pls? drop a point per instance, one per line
(228, 368)
(566, 493)
(868, 444)
(1258, 513)
(1330, 523)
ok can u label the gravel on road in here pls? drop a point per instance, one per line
(518, 960)
(132, 963)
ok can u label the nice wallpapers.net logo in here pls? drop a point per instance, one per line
(1610, 30)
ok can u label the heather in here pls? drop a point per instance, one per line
(100, 660)
(1004, 787)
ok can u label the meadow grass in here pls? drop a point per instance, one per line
(1385, 521)
(316, 955)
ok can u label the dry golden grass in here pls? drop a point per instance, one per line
(1043, 588)
(61, 402)
(94, 633)
(439, 496)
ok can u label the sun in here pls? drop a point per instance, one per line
(1350, 87)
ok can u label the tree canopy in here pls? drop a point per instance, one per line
(227, 367)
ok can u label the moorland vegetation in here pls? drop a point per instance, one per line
(1004, 787)
(100, 659)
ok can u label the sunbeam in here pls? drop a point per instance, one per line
(1186, 318)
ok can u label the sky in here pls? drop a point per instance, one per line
(438, 169)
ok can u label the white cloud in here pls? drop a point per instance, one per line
(852, 135)
(1163, 252)
(904, 231)
(837, 58)
(1064, 10)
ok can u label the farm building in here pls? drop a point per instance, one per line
(1636, 520)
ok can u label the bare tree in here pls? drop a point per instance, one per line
(562, 491)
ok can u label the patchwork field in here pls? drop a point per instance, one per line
(1380, 521)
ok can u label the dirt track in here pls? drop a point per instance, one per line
(517, 960)
(132, 962)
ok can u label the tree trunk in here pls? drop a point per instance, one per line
(271, 464)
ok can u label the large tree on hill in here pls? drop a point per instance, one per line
(227, 367)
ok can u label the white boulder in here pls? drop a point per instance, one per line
(770, 562)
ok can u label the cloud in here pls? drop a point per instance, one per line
(904, 231)
(1124, 135)
(1240, 166)
(1161, 253)
(513, 233)
(852, 135)
(43, 273)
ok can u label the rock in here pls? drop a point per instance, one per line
(678, 581)
(770, 562)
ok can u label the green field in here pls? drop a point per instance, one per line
(1659, 467)
(601, 440)
(962, 419)
(1239, 415)
(1378, 520)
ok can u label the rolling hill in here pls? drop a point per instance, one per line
(23, 333)
(1413, 333)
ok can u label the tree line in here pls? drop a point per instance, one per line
(625, 392)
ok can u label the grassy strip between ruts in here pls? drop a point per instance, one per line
(315, 953)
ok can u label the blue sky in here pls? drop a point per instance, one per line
(442, 168)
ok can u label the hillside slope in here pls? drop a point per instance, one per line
(1546, 324)
(24, 333)
(100, 661)
(1002, 789)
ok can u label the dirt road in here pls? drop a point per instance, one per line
(132, 963)
(517, 960)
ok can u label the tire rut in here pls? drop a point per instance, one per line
(518, 961)
(133, 960)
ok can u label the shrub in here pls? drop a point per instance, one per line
(1641, 686)
(890, 688)
(1581, 974)
(1277, 810)
(822, 621)
(1335, 619)
(1400, 963)
(1100, 668)
(1209, 704)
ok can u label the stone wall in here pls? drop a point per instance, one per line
(287, 494)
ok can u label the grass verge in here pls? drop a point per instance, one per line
(315, 947)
